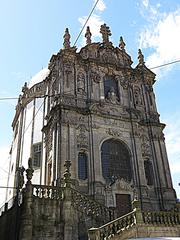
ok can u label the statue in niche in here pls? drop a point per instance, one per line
(81, 83)
(111, 96)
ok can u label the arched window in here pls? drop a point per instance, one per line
(82, 166)
(148, 168)
(110, 87)
(115, 159)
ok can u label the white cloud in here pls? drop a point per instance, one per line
(40, 76)
(94, 23)
(100, 6)
(162, 36)
(145, 3)
(172, 136)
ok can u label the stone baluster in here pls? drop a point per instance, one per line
(94, 234)
(139, 216)
(26, 219)
(69, 213)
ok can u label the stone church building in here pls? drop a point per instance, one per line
(90, 122)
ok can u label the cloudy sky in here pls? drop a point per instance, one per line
(31, 31)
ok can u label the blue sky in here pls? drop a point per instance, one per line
(31, 31)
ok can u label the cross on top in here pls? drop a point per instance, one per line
(105, 31)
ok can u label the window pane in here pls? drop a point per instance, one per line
(109, 85)
(115, 160)
(37, 152)
(82, 166)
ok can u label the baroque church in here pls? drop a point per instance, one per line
(89, 136)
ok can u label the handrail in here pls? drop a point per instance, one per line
(162, 217)
(114, 227)
(92, 207)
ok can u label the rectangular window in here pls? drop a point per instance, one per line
(37, 155)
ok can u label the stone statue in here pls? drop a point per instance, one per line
(112, 96)
(88, 36)
(140, 57)
(121, 43)
(66, 37)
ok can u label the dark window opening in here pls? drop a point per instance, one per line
(82, 166)
(115, 161)
(111, 86)
(37, 155)
(148, 172)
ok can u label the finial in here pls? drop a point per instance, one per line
(121, 43)
(66, 37)
(29, 171)
(105, 31)
(140, 57)
(67, 174)
(88, 35)
(25, 88)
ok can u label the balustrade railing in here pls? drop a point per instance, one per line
(166, 218)
(91, 207)
(115, 227)
(51, 192)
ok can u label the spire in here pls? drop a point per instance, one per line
(121, 43)
(105, 31)
(140, 58)
(88, 35)
(66, 37)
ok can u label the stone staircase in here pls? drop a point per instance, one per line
(138, 224)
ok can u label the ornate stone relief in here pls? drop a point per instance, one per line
(121, 184)
(81, 83)
(123, 81)
(95, 77)
(112, 97)
(137, 96)
(113, 132)
(82, 138)
(48, 141)
(145, 146)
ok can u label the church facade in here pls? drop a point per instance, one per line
(93, 109)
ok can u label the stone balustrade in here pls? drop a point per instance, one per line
(91, 207)
(51, 192)
(158, 218)
(114, 227)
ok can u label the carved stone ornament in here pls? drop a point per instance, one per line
(111, 96)
(29, 171)
(140, 57)
(122, 44)
(82, 138)
(123, 81)
(121, 184)
(66, 37)
(113, 132)
(81, 82)
(105, 31)
(88, 35)
(95, 77)
(145, 146)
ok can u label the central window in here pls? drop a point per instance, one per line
(110, 86)
(115, 159)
